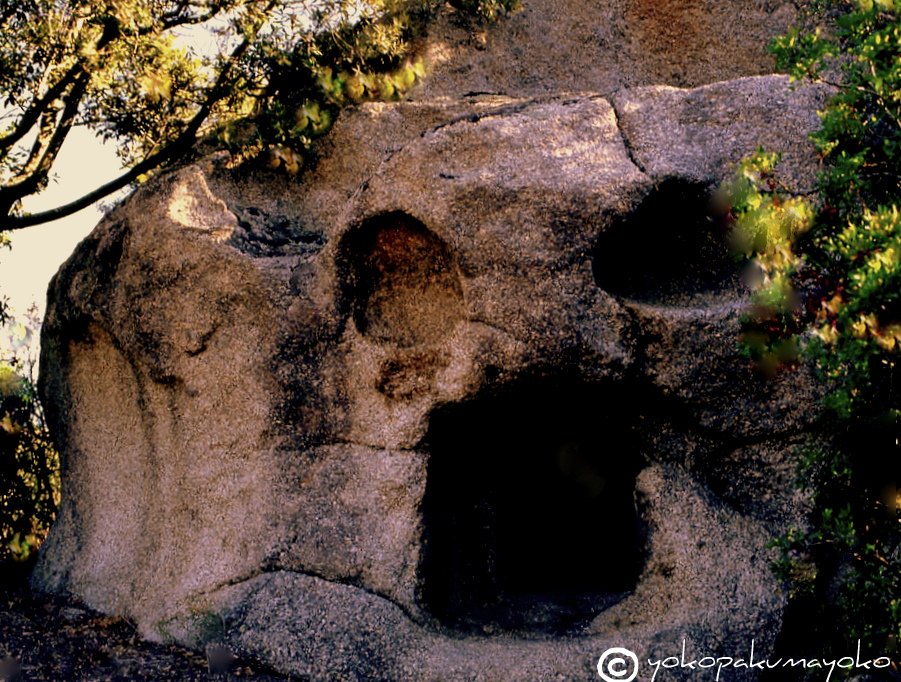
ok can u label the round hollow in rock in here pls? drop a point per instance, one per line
(404, 285)
(672, 250)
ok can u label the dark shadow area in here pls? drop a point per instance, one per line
(47, 638)
(403, 283)
(530, 522)
(672, 250)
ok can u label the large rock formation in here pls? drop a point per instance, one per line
(465, 403)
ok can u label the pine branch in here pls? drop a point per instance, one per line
(179, 146)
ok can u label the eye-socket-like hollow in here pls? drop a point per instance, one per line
(672, 250)
(404, 285)
(529, 519)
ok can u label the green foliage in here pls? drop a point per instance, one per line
(830, 284)
(272, 80)
(487, 10)
(768, 221)
(29, 465)
(294, 88)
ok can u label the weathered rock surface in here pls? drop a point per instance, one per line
(605, 45)
(674, 132)
(466, 403)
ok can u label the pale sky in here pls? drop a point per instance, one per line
(82, 165)
(37, 252)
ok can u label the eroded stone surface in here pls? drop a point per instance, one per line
(674, 132)
(363, 426)
(603, 46)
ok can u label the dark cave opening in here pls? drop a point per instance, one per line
(529, 517)
(672, 250)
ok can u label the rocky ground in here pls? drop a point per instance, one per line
(53, 640)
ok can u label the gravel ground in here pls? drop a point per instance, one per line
(53, 640)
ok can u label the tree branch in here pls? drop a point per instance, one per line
(45, 132)
(50, 139)
(33, 113)
(177, 147)
(11, 223)
(38, 107)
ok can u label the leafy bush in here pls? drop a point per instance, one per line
(830, 286)
(29, 469)
(29, 465)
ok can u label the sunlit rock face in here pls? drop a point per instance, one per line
(603, 46)
(463, 403)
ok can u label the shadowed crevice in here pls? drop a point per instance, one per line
(672, 250)
(529, 518)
